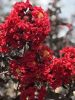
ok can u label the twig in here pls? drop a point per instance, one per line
(4, 72)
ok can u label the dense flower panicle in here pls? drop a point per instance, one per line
(59, 73)
(70, 63)
(68, 54)
(26, 24)
(21, 72)
(32, 64)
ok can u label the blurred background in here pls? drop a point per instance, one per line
(62, 18)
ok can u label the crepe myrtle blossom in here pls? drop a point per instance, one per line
(32, 65)
(24, 24)
(29, 25)
(59, 73)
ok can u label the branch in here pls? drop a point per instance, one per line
(4, 72)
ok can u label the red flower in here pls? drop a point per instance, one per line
(60, 73)
(68, 54)
(32, 65)
(26, 24)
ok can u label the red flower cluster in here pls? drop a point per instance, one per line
(62, 70)
(68, 54)
(60, 73)
(28, 26)
(24, 24)
(31, 67)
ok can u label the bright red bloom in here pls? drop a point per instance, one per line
(26, 24)
(32, 65)
(60, 73)
(68, 54)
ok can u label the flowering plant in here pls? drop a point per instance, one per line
(34, 65)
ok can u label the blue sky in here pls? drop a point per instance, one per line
(68, 8)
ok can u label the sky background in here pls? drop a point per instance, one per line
(68, 7)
